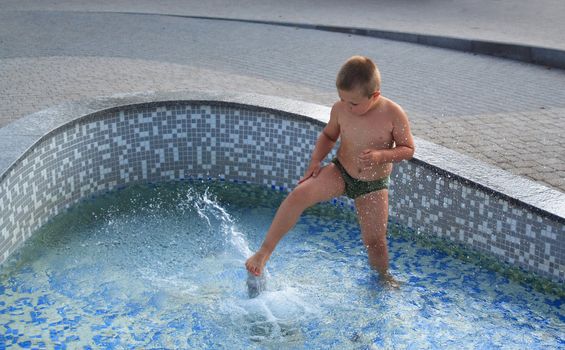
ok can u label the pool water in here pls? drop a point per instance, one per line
(162, 267)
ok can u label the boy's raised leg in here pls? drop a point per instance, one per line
(327, 185)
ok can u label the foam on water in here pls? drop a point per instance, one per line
(164, 267)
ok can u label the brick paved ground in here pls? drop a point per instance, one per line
(32, 84)
(506, 140)
(502, 112)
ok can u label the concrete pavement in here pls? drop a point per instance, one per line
(503, 112)
(536, 23)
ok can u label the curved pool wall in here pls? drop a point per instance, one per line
(55, 158)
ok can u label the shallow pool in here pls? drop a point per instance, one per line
(162, 267)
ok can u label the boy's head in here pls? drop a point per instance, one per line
(359, 73)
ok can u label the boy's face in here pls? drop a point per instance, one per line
(358, 102)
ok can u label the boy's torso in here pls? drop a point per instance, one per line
(372, 130)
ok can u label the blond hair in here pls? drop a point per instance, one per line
(359, 72)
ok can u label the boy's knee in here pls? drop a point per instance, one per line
(298, 195)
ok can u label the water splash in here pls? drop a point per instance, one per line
(256, 284)
(209, 209)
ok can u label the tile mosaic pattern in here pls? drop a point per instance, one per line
(449, 208)
(176, 141)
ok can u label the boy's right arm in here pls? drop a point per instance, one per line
(326, 141)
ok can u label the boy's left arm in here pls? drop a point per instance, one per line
(403, 139)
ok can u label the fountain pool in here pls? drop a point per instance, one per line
(162, 267)
(93, 256)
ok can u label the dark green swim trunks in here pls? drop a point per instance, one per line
(355, 187)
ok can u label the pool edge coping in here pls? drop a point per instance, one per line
(18, 138)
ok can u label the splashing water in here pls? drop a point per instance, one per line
(208, 207)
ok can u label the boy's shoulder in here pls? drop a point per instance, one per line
(338, 105)
(391, 106)
(393, 111)
(396, 113)
(337, 108)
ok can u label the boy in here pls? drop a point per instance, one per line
(374, 133)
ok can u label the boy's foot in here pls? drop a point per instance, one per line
(256, 263)
(389, 281)
(256, 284)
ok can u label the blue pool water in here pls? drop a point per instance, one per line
(162, 267)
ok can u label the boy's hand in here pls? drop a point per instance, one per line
(312, 171)
(369, 158)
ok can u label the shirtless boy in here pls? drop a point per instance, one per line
(374, 133)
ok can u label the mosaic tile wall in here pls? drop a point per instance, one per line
(189, 141)
(443, 206)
